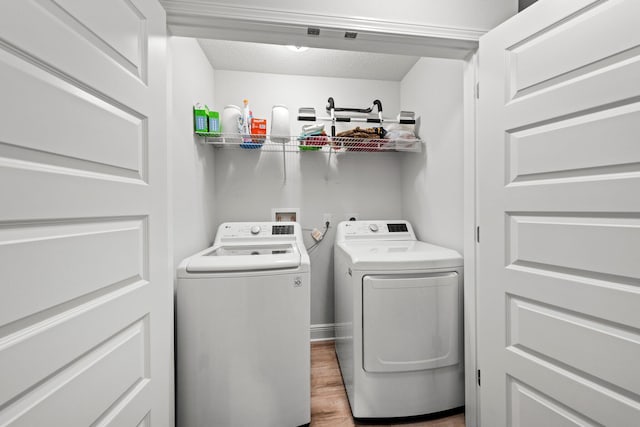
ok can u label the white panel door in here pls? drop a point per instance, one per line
(85, 284)
(559, 214)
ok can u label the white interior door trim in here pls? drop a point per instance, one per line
(244, 13)
(277, 26)
(470, 244)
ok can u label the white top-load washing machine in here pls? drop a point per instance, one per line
(398, 312)
(243, 314)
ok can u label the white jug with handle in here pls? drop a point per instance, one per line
(231, 123)
(280, 129)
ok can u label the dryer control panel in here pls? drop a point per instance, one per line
(375, 230)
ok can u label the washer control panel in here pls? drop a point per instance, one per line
(282, 229)
(231, 230)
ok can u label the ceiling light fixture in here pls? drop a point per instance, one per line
(297, 48)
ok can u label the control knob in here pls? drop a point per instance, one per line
(373, 227)
(255, 229)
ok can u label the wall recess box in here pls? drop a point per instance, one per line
(285, 214)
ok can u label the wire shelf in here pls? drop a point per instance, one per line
(312, 143)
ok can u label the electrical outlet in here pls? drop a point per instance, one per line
(351, 216)
(327, 218)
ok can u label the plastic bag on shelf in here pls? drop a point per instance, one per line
(400, 131)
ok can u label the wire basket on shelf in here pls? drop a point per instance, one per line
(362, 145)
(313, 143)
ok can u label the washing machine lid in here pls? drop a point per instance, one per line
(391, 254)
(246, 257)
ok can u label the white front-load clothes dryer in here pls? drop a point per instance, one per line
(398, 312)
(242, 315)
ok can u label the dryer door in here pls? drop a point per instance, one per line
(411, 322)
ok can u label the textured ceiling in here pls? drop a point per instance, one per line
(277, 59)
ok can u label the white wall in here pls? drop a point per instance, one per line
(432, 183)
(249, 183)
(192, 164)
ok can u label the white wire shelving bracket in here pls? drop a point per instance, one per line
(328, 145)
(325, 144)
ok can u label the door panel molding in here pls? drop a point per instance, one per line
(23, 361)
(538, 152)
(533, 64)
(577, 244)
(74, 259)
(527, 403)
(123, 359)
(117, 28)
(570, 387)
(601, 339)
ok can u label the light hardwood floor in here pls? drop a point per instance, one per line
(329, 404)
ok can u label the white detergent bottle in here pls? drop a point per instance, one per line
(246, 121)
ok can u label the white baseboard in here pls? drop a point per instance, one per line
(323, 332)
